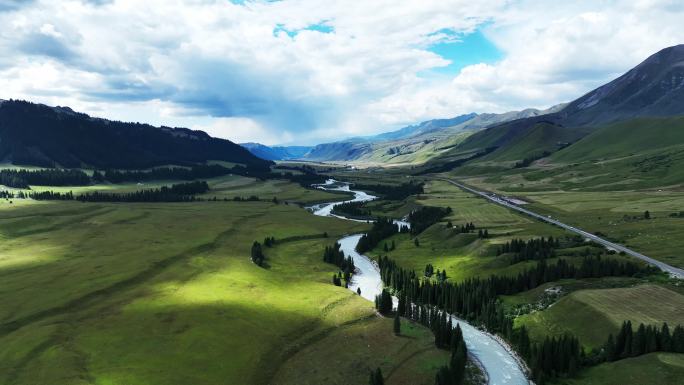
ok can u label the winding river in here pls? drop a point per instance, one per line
(500, 365)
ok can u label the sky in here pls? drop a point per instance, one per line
(312, 71)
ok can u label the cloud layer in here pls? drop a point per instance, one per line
(309, 71)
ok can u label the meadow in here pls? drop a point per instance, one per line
(654, 368)
(163, 293)
(593, 314)
(410, 358)
(464, 255)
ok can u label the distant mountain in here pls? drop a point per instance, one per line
(654, 88)
(276, 152)
(422, 128)
(39, 135)
(416, 143)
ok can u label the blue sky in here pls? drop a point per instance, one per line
(465, 49)
(305, 71)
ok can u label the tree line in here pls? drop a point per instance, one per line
(77, 177)
(162, 173)
(382, 228)
(352, 209)
(183, 192)
(425, 217)
(47, 177)
(393, 192)
(646, 339)
(476, 300)
(334, 255)
(533, 249)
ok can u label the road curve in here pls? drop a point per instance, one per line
(673, 271)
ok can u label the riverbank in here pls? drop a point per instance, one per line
(499, 363)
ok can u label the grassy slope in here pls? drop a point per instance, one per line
(534, 141)
(654, 368)
(625, 139)
(354, 350)
(411, 151)
(160, 293)
(605, 310)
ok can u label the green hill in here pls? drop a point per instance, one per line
(625, 139)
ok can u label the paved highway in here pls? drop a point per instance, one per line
(673, 271)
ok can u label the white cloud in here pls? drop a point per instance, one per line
(220, 66)
(243, 130)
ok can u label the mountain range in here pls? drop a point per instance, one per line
(652, 89)
(640, 103)
(637, 114)
(276, 152)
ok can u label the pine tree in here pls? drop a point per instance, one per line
(416, 242)
(376, 377)
(610, 349)
(397, 324)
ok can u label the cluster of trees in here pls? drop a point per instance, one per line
(463, 229)
(425, 217)
(389, 248)
(646, 339)
(483, 234)
(48, 177)
(334, 255)
(382, 228)
(476, 300)
(533, 249)
(269, 241)
(555, 357)
(430, 271)
(183, 192)
(163, 173)
(393, 192)
(4, 194)
(257, 254)
(352, 209)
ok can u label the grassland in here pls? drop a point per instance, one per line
(618, 215)
(354, 350)
(464, 255)
(593, 314)
(654, 368)
(165, 293)
(229, 187)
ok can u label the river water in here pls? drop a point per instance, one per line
(500, 365)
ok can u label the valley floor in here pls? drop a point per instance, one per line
(165, 293)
